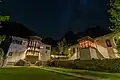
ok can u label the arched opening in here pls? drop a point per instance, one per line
(32, 56)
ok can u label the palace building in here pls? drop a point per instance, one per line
(101, 47)
(23, 44)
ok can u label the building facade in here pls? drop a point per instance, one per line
(23, 43)
(17, 48)
(31, 49)
(98, 48)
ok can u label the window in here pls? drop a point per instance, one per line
(73, 50)
(48, 48)
(46, 51)
(108, 43)
(30, 43)
(17, 42)
(13, 41)
(77, 49)
(38, 45)
(20, 42)
(24, 43)
(10, 53)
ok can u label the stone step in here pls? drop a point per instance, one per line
(10, 63)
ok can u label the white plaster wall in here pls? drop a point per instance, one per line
(103, 51)
(85, 54)
(73, 57)
(18, 50)
(43, 55)
(110, 50)
(93, 53)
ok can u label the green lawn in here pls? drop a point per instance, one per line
(102, 75)
(30, 73)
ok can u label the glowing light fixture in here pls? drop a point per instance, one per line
(41, 46)
(69, 49)
(28, 48)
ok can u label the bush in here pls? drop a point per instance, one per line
(51, 63)
(27, 63)
(38, 63)
(104, 65)
(22, 63)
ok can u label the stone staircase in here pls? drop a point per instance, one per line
(10, 64)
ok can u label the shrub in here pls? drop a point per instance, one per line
(22, 63)
(51, 63)
(27, 63)
(104, 65)
(38, 63)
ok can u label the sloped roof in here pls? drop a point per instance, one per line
(16, 29)
(86, 38)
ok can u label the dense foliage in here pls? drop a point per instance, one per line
(118, 45)
(63, 47)
(38, 63)
(22, 63)
(105, 65)
(114, 12)
(2, 57)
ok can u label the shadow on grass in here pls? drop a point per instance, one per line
(113, 76)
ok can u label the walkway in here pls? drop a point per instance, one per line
(72, 74)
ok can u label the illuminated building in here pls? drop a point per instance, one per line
(23, 44)
(98, 48)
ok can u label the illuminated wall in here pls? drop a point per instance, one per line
(86, 44)
(37, 48)
(34, 44)
(17, 48)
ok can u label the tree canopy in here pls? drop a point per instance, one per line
(114, 12)
(2, 38)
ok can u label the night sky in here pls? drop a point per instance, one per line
(53, 18)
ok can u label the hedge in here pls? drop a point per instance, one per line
(22, 63)
(105, 65)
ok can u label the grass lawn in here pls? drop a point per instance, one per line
(31, 73)
(102, 75)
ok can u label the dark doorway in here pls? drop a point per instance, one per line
(32, 59)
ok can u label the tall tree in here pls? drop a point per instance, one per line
(54, 50)
(114, 12)
(60, 47)
(63, 47)
(118, 45)
(2, 38)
